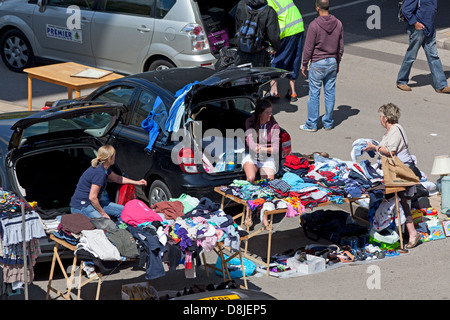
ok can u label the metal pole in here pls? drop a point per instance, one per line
(25, 254)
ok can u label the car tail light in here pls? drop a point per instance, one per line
(285, 139)
(198, 37)
(186, 161)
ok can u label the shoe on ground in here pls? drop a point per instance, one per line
(413, 242)
(404, 87)
(329, 128)
(291, 97)
(444, 90)
(305, 128)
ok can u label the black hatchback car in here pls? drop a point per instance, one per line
(189, 152)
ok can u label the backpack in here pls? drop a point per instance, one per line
(401, 16)
(250, 36)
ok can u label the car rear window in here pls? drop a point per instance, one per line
(163, 7)
(95, 124)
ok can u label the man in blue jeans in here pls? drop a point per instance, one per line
(422, 33)
(324, 47)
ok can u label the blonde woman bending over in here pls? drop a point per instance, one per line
(90, 197)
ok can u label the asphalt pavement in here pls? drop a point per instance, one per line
(366, 80)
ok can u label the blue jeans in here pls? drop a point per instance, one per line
(321, 72)
(113, 210)
(418, 39)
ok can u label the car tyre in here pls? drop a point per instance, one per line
(159, 192)
(161, 64)
(16, 51)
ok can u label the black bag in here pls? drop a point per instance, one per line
(250, 37)
(227, 56)
(401, 16)
(330, 224)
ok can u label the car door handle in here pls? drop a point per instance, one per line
(143, 29)
(84, 20)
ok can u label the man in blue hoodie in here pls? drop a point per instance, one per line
(422, 33)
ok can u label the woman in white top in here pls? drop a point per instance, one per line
(395, 142)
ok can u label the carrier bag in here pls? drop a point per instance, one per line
(127, 192)
(396, 173)
(218, 40)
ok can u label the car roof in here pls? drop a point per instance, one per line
(174, 79)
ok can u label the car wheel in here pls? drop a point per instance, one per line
(158, 192)
(16, 51)
(161, 64)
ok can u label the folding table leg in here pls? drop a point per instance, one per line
(399, 221)
(52, 270)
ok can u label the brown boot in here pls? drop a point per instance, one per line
(404, 87)
(444, 90)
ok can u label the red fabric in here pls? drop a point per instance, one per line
(127, 192)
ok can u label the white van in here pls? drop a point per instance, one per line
(126, 36)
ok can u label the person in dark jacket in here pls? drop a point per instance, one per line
(422, 33)
(269, 29)
(324, 47)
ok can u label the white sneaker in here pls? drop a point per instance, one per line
(303, 127)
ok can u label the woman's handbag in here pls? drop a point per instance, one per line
(396, 173)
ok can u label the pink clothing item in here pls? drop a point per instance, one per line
(136, 212)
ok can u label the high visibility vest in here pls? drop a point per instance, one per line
(289, 17)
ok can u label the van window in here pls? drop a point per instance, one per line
(138, 7)
(162, 7)
(82, 4)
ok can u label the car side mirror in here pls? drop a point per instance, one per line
(42, 5)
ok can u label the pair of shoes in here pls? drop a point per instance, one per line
(444, 90)
(303, 127)
(329, 128)
(412, 243)
(404, 87)
(291, 97)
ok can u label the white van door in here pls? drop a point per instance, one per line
(63, 30)
(122, 33)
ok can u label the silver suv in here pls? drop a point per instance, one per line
(126, 36)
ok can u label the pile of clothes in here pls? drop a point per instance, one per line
(173, 232)
(305, 185)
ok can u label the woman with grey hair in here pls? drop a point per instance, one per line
(395, 142)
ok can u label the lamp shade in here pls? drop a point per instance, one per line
(441, 165)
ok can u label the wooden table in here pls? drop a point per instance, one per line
(270, 214)
(61, 74)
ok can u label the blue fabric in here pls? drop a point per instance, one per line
(321, 72)
(177, 109)
(358, 148)
(155, 122)
(424, 14)
(417, 39)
